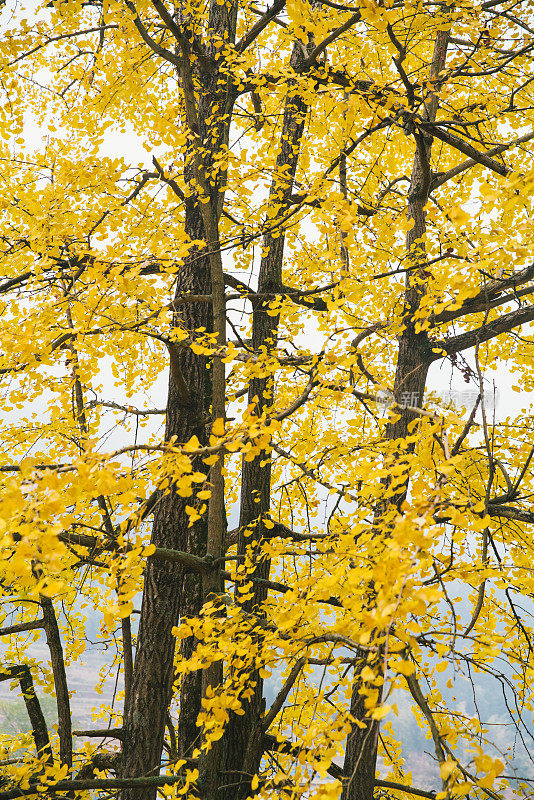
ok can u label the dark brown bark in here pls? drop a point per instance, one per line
(126, 627)
(178, 578)
(33, 707)
(361, 752)
(244, 734)
(106, 785)
(53, 640)
(188, 734)
(167, 594)
(99, 761)
(153, 672)
(487, 331)
(22, 626)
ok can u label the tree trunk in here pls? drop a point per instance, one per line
(153, 673)
(413, 360)
(168, 593)
(244, 736)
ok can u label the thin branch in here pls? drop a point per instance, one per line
(513, 491)
(200, 565)
(283, 532)
(104, 733)
(21, 627)
(173, 749)
(59, 38)
(475, 308)
(262, 23)
(7, 285)
(57, 343)
(321, 47)
(169, 181)
(139, 412)
(172, 26)
(272, 743)
(92, 783)
(443, 177)
(418, 696)
(235, 283)
(401, 787)
(135, 193)
(491, 474)
(467, 427)
(492, 288)
(312, 474)
(464, 147)
(504, 324)
(281, 697)
(148, 40)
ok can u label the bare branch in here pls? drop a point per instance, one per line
(467, 427)
(21, 627)
(33, 706)
(105, 733)
(464, 147)
(7, 285)
(321, 47)
(92, 783)
(169, 181)
(507, 512)
(148, 40)
(138, 412)
(281, 697)
(443, 177)
(262, 23)
(504, 324)
(273, 743)
(418, 696)
(481, 305)
(53, 640)
(61, 37)
(487, 294)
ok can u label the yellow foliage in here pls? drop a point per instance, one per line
(293, 224)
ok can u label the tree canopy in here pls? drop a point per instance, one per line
(295, 216)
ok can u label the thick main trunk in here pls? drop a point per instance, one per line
(153, 673)
(168, 593)
(360, 753)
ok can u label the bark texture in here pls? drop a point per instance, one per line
(168, 593)
(53, 640)
(153, 673)
(33, 707)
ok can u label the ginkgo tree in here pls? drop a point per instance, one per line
(326, 203)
